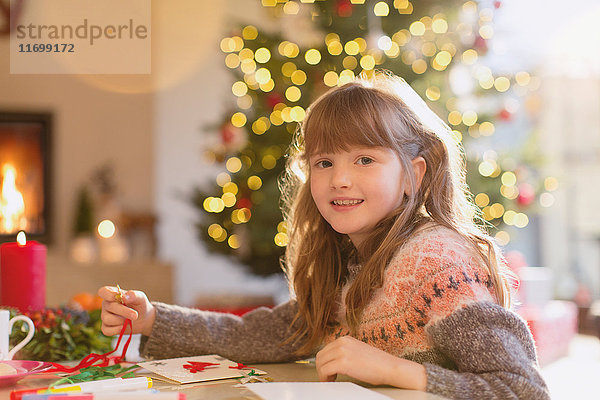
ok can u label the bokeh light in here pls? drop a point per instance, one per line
(312, 56)
(381, 9)
(233, 164)
(254, 182)
(106, 228)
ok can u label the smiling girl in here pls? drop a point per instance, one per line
(393, 281)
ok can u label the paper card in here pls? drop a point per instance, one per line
(313, 390)
(197, 369)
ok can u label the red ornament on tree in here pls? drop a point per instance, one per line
(344, 8)
(497, 4)
(274, 98)
(505, 115)
(526, 195)
(244, 202)
(227, 133)
(232, 139)
(480, 44)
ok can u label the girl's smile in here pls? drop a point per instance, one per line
(343, 204)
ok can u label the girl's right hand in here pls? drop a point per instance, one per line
(135, 307)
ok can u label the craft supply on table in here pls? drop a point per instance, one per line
(22, 368)
(96, 377)
(137, 395)
(6, 369)
(23, 274)
(199, 369)
(119, 295)
(98, 373)
(313, 390)
(105, 385)
(102, 360)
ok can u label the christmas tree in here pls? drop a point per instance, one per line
(438, 47)
(84, 218)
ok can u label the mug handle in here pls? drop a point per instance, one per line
(30, 333)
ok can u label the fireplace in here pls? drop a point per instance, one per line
(25, 175)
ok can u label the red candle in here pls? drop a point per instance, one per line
(23, 274)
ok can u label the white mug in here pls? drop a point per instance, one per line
(6, 325)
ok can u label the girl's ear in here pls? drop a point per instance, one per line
(419, 166)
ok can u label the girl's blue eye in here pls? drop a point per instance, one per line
(324, 164)
(365, 160)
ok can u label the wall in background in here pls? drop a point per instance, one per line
(97, 119)
(570, 234)
(193, 90)
(560, 44)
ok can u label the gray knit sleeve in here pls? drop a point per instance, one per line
(253, 338)
(494, 354)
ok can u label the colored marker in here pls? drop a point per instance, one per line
(106, 385)
(45, 396)
(135, 395)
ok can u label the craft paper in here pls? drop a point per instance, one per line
(178, 369)
(313, 390)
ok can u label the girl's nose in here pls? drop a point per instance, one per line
(340, 178)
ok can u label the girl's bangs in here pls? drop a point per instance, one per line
(344, 119)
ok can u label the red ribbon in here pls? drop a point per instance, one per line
(239, 366)
(103, 359)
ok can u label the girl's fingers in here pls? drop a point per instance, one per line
(327, 372)
(111, 323)
(328, 353)
(111, 330)
(111, 320)
(112, 293)
(335, 358)
(114, 312)
(325, 363)
(120, 310)
(327, 378)
(108, 293)
(133, 297)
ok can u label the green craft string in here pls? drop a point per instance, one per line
(97, 373)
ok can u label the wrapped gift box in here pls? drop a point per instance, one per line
(536, 286)
(553, 325)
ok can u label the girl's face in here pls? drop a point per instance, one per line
(356, 189)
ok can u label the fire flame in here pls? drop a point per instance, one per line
(21, 238)
(12, 206)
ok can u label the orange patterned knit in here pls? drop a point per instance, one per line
(430, 277)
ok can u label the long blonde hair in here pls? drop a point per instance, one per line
(380, 111)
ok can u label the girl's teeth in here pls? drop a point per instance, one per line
(346, 202)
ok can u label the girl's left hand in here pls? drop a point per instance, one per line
(352, 357)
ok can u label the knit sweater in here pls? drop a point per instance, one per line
(436, 307)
